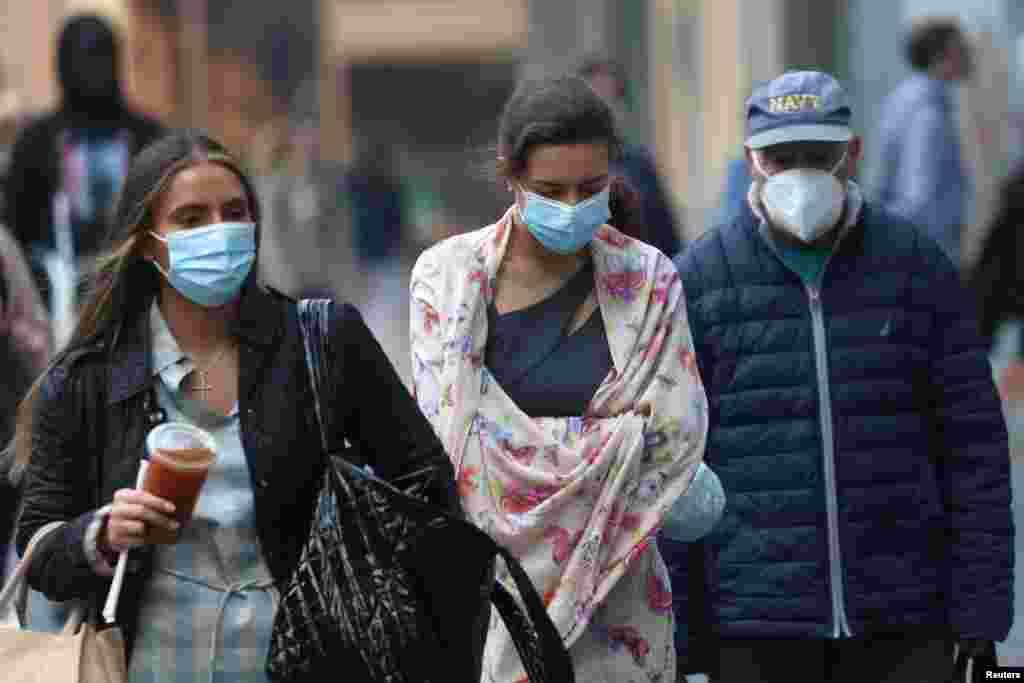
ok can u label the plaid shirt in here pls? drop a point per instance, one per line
(209, 607)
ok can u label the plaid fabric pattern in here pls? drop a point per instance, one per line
(210, 604)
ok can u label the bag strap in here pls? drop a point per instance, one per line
(313, 321)
(545, 659)
(16, 589)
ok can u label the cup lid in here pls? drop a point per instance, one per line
(179, 435)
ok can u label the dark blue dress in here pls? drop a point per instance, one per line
(545, 370)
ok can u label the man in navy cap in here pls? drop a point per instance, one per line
(854, 422)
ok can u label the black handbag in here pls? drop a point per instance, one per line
(391, 587)
(979, 662)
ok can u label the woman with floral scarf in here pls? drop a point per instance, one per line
(552, 355)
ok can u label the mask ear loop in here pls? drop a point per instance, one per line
(841, 161)
(756, 154)
(521, 199)
(757, 186)
(156, 264)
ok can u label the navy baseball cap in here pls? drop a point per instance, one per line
(798, 106)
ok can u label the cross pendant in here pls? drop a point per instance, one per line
(202, 385)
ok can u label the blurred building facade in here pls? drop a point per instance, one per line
(428, 78)
(430, 75)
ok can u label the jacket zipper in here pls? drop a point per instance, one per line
(840, 625)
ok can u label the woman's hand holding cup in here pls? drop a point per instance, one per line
(132, 516)
(180, 456)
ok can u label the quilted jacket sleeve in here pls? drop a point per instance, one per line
(56, 489)
(974, 462)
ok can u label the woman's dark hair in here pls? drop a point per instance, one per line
(559, 110)
(122, 281)
(928, 41)
(562, 110)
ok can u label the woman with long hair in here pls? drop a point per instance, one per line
(552, 355)
(178, 328)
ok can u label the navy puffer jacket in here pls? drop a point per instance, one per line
(858, 435)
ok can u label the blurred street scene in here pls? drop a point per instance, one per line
(370, 126)
(370, 123)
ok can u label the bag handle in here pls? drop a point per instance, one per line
(555, 664)
(313, 321)
(518, 619)
(16, 589)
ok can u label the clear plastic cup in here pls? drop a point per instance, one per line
(180, 457)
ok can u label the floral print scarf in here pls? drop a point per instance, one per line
(576, 499)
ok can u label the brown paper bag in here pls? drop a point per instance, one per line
(81, 653)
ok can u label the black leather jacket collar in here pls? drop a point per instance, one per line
(260, 323)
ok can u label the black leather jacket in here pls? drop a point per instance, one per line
(91, 426)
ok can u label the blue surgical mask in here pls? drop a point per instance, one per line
(208, 265)
(564, 228)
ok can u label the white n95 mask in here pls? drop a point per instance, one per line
(805, 202)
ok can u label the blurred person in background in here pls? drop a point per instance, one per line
(22, 312)
(376, 205)
(923, 177)
(733, 200)
(550, 352)
(307, 224)
(853, 421)
(25, 339)
(998, 282)
(67, 167)
(13, 119)
(656, 223)
(335, 230)
(25, 349)
(377, 202)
